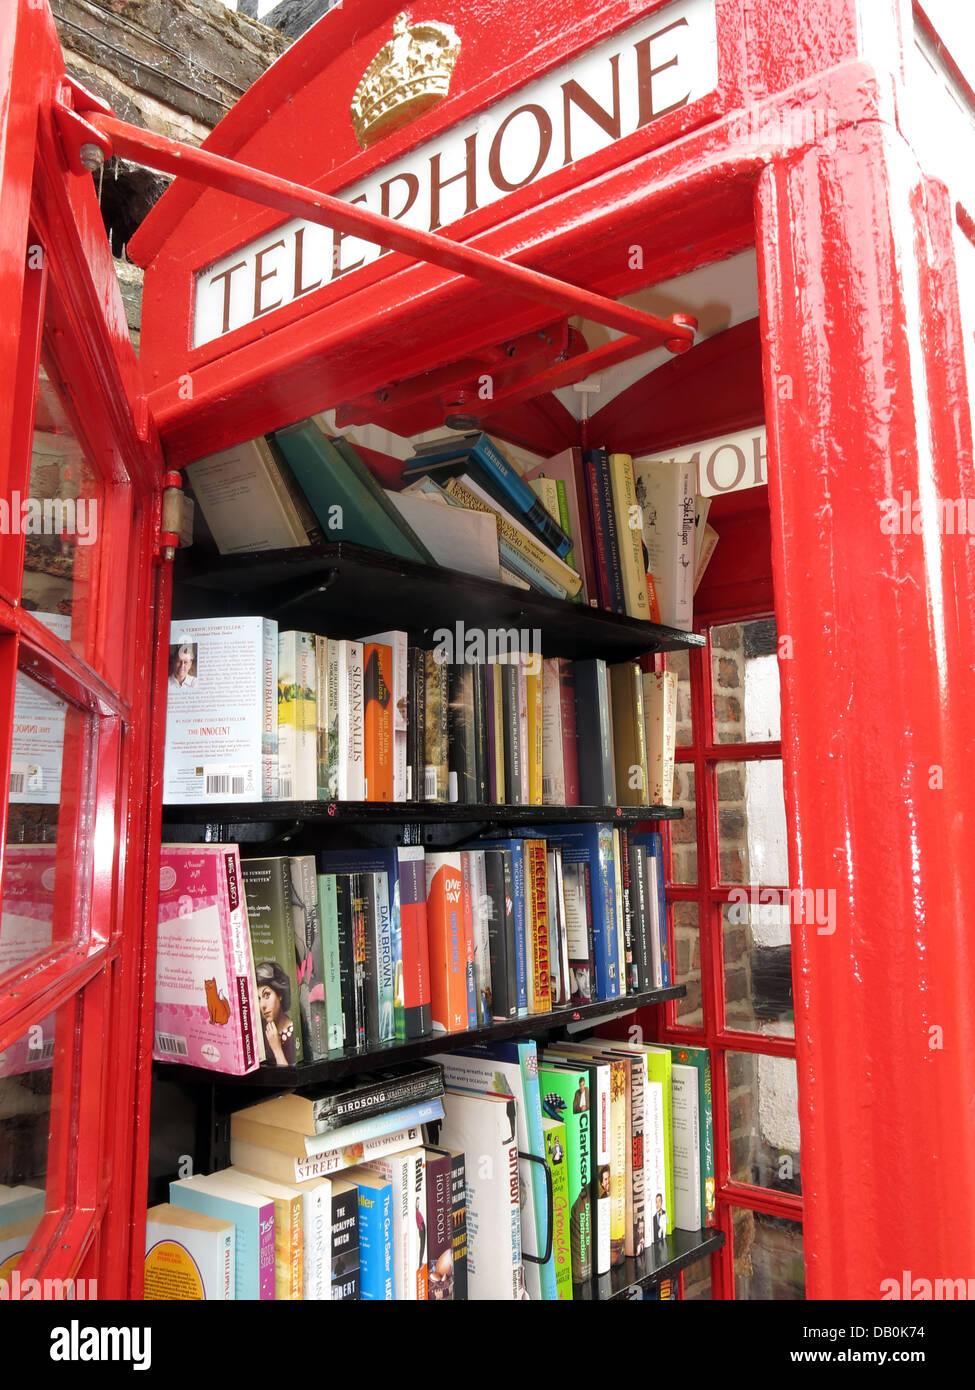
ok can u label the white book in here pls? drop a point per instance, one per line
(351, 723)
(297, 717)
(481, 907)
(687, 1149)
(222, 711)
(666, 494)
(654, 1170)
(553, 762)
(189, 1256)
(457, 538)
(243, 494)
(398, 642)
(653, 921)
(407, 1173)
(660, 725)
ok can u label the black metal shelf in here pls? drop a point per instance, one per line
(660, 1261)
(347, 590)
(342, 1064)
(397, 812)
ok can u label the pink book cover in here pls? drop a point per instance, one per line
(28, 933)
(204, 968)
(570, 754)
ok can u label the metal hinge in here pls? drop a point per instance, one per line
(176, 519)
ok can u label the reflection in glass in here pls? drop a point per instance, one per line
(752, 839)
(687, 949)
(683, 832)
(745, 677)
(758, 967)
(763, 1108)
(680, 662)
(25, 1122)
(768, 1257)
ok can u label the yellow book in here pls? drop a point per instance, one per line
(288, 1230)
(630, 536)
(535, 555)
(533, 669)
(629, 734)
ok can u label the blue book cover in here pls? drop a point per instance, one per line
(253, 1218)
(654, 842)
(592, 844)
(386, 949)
(511, 1068)
(520, 913)
(375, 1235)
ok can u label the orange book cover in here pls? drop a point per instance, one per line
(377, 687)
(447, 942)
(536, 872)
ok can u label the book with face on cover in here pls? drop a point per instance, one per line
(267, 892)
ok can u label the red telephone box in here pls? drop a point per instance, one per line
(464, 216)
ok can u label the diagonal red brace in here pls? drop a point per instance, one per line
(200, 166)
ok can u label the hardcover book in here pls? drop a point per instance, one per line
(222, 711)
(267, 891)
(206, 1005)
(189, 1256)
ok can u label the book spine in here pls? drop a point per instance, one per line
(520, 551)
(414, 980)
(640, 977)
(436, 733)
(481, 907)
(656, 847)
(376, 1243)
(316, 1240)
(385, 964)
(522, 928)
(630, 536)
(322, 766)
(597, 780)
(470, 950)
(570, 754)
(440, 1242)
(288, 706)
(555, 1160)
(242, 960)
(503, 999)
(620, 920)
(636, 1215)
(604, 527)
(401, 727)
(357, 1131)
(553, 764)
(503, 475)
(562, 495)
(445, 922)
(513, 750)
(269, 732)
(331, 967)
(537, 871)
(481, 790)
(267, 894)
(416, 704)
(344, 1271)
(328, 789)
(604, 933)
(377, 695)
(623, 877)
(310, 956)
(460, 735)
(535, 711)
(458, 1218)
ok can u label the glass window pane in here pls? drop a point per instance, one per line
(26, 1069)
(752, 839)
(758, 967)
(768, 1257)
(681, 662)
(60, 515)
(745, 676)
(44, 891)
(683, 833)
(687, 947)
(763, 1114)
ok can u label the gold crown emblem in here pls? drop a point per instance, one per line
(408, 75)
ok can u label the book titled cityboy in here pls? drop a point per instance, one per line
(222, 711)
(205, 985)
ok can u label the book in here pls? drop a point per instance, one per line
(250, 501)
(597, 771)
(703, 558)
(636, 589)
(629, 734)
(689, 1213)
(592, 845)
(415, 723)
(595, 1078)
(398, 681)
(412, 998)
(540, 968)
(440, 1230)
(657, 933)
(351, 722)
(511, 1068)
(206, 994)
(458, 1217)
(665, 491)
(189, 1256)
(375, 1235)
(267, 892)
(700, 1059)
(287, 1168)
(578, 931)
(474, 868)
(556, 1160)
(519, 548)
(309, 957)
(609, 571)
(330, 1108)
(252, 1216)
(288, 1230)
(570, 751)
(461, 752)
(327, 718)
(490, 459)
(297, 717)
(406, 1172)
(222, 711)
(660, 721)
(514, 750)
(534, 693)
(457, 539)
(484, 1126)
(448, 952)
(436, 771)
(248, 1126)
(567, 469)
(566, 1100)
(344, 1269)
(553, 747)
(331, 961)
(378, 722)
(345, 496)
(502, 946)
(558, 945)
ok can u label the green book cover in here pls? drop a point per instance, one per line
(267, 890)
(700, 1059)
(348, 501)
(557, 1160)
(564, 1100)
(659, 1063)
(329, 917)
(369, 480)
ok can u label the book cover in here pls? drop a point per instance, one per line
(451, 1272)
(620, 920)
(558, 946)
(474, 866)
(345, 1241)
(327, 718)
(514, 751)
(253, 1219)
(328, 1108)
(189, 1256)
(568, 469)
(297, 717)
(221, 711)
(629, 734)
(467, 916)
(700, 1059)
(642, 977)
(351, 722)
(536, 873)
(595, 1076)
(267, 892)
(689, 1212)
(494, 726)
(406, 1172)
(636, 595)
(609, 571)
(414, 1018)
(378, 721)
(597, 772)
(375, 1235)
(665, 491)
(205, 1011)
(416, 724)
(511, 1069)
(657, 905)
(288, 1230)
(247, 1125)
(247, 502)
(286, 1168)
(440, 1231)
(448, 951)
(570, 752)
(461, 754)
(331, 961)
(309, 957)
(535, 706)
(553, 756)
(519, 549)
(592, 845)
(557, 1162)
(578, 931)
(399, 680)
(514, 850)
(502, 948)
(484, 1126)
(565, 1099)
(660, 723)
(436, 774)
